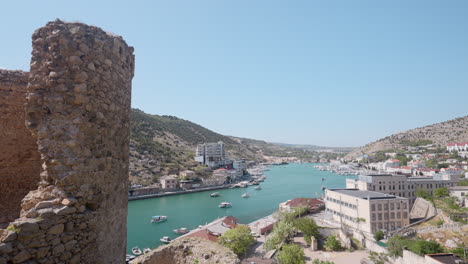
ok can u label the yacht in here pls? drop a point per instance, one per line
(245, 195)
(224, 205)
(136, 251)
(165, 240)
(158, 218)
(181, 231)
(215, 194)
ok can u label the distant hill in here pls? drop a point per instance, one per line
(317, 148)
(455, 130)
(162, 145)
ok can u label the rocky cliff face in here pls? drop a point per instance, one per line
(189, 251)
(455, 130)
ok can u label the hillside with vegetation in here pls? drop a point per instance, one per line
(455, 130)
(161, 145)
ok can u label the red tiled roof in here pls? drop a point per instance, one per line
(310, 202)
(230, 221)
(395, 160)
(457, 144)
(205, 234)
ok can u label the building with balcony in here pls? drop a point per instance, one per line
(211, 154)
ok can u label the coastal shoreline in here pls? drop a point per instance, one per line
(156, 195)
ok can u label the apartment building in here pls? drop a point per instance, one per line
(367, 211)
(402, 185)
(211, 154)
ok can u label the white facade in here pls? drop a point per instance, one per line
(401, 185)
(169, 182)
(211, 154)
(457, 147)
(367, 211)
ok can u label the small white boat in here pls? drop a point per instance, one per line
(146, 250)
(165, 240)
(182, 230)
(258, 188)
(224, 205)
(158, 218)
(245, 195)
(129, 257)
(136, 251)
(215, 194)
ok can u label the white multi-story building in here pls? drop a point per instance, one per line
(457, 147)
(391, 163)
(367, 211)
(211, 154)
(240, 166)
(401, 185)
(416, 164)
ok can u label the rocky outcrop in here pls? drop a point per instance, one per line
(77, 108)
(451, 131)
(19, 158)
(188, 251)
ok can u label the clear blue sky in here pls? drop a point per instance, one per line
(335, 73)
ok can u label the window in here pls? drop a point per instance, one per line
(392, 215)
(380, 216)
(392, 206)
(373, 207)
(385, 215)
(373, 217)
(398, 215)
(379, 206)
(404, 205)
(385, 206)
(397, 206)
(405, 215)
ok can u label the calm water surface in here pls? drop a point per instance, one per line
(194, 209)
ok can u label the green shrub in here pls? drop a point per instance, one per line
(332, 244)
(291, 254)
(379, 235)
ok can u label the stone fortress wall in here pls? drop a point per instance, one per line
(77, 110)
(19, 159)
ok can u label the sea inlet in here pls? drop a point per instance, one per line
(284, 182)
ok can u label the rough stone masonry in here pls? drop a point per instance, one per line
(77, 108)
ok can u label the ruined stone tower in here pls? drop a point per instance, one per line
(77, 109)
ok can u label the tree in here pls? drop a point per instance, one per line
(237, 239)
(291, 254)
(282, 231)
(422, 193)
(379, 235)
(441, 192)
(395, 245)
(332, 244)
(308, 227)
(423, 247)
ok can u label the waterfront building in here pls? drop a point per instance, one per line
(230, 175)
(425, 172)
(214, 229)
(211, 154)
(187, 174)
(313, 204)
(402, 185)
(367, 211)
(169, 182)
(240, 166)
(400, 170)
(391, 163)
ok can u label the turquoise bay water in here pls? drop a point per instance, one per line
(194, 209)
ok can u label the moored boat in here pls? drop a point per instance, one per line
(146, 250)
(158, 218)
(182, 230)
(224, 205)
(258, 188)
(165, 240)
(136, 251)
(215, 194)
(245, 195)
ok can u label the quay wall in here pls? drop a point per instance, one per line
(155, 195)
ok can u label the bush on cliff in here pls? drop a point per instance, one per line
(237, 239)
